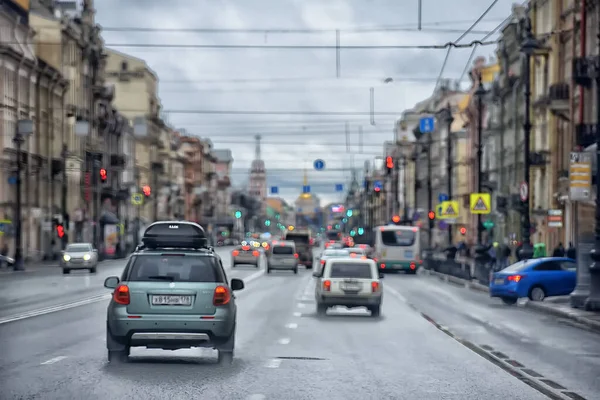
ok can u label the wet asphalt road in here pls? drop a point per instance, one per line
(283, 350)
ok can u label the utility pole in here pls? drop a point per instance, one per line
(405, 188)
(66, 222)
(430, 188)
(479, 94)
(450, 161)
(19, 140)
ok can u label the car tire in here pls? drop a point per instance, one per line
(537, 293)
(115, 356)
(411, 271)
(295, 270)
(321, 309)
(66, 271)
(93, 270)
(375, 311)
(233, 265)
(268, 270)
(225, 357)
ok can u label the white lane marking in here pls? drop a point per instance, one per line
(256, 397)
(297, 314)
(53, 360)
(50, 310)
(301, 305)
(253, 276)
(292, 326)
(395, 293)
(284, 340)
(273, 363)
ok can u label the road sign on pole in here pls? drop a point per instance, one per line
(524, 191)
(306, 189)
(443, 197)
(274, 190)
(580, 176)
(137, 199)
(339, 187)
(319, 164)
(426, 124)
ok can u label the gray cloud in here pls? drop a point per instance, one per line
(302, 80)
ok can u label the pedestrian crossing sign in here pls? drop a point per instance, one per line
(449, 210)
(481, 203)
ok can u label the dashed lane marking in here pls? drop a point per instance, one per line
(395, 293)
(284, 341)
(292, 326)
(256, 397)
(301, 305)
(53, 360)
(297, 314)
(273, 363)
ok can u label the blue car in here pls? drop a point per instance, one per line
(536, 279)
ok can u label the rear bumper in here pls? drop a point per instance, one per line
(78, 265)
(350, 301)
(397, 265)
(286, 266)
(245, 260)
(504, 291)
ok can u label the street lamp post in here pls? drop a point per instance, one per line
(528, 48)
(479, 95)
(24, 128)
(592, 303)
(430, 189)
(64, 154)
(404, 187)
(449, 160)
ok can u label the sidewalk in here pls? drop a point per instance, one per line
(557, 306)
(29, 266)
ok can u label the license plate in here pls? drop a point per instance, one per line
(408, 254)
(499, 281)
(172, 300)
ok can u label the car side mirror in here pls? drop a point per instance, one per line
(381, 276)
(111, 282)
(237, 284)
(317, 274)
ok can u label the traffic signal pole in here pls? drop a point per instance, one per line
(430, 189)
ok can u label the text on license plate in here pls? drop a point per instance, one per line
(499, 281)
(351, 287)
(166, 300)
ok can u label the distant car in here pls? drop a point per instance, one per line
(356, 252)
(282, 255)
(6, 260)
(349, 282)
(245, 254)
(332, 253)
(536, 279)
(368, 249)
(79, 256)
(173, 294)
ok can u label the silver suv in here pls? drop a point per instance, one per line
(173, 294)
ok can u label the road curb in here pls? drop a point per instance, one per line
(537, 306)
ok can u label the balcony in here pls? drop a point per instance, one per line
(582, 71)
(558, 99)
(585, 135)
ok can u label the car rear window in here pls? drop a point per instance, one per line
(351, 270)
(298, 239)
(398, 237)
(356, 251)
(174, 268)
(336, 253)
(283, 250)
(78, 248)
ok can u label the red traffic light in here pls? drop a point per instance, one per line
(147, 191)
(103, 174)
(396, 219)
(377, 189)
(463, 230)
(60, 231)
(389, 162)
(431, 215)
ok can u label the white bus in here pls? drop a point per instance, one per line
(397, 248)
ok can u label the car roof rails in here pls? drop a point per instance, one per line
(175, 234)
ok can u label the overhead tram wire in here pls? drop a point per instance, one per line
(461, 37)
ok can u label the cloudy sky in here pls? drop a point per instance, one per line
(213, 91)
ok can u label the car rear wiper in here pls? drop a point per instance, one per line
(162, 278)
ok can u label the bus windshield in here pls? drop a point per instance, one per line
(333, 235)
(398, 237)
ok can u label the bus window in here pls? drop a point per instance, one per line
(398, 237)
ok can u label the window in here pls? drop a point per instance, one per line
(568, 266)
(283, 250)
(174, 268)
(78, 248)
(398, 237)
(298, 238)
(351, 270)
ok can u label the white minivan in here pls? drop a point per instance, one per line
(349, 282)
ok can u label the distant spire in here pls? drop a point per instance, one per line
(257, 151)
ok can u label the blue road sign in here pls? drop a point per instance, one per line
(365, 184)
(12, 180)
(319, 164)
(274, 190)
(339, 187)
(306, 189)
(377, 184)
(426, 124)
(443, 197)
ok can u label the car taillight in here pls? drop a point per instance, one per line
(327, 286)
(255, 253)
(412, 266)
(235, 253)
(382, 266)
(374, 286)
(246, 248)
(121, 295)
(322, 262)
(221, 296)
(515, 278)
(296, 255)
(375, 259)
(363, 257)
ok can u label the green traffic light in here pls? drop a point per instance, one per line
(349, 213)
(238, 214)
(361, 231)
(268, 223)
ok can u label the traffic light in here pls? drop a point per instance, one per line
(147, 191)
(431, 215)
(389, 164)
(463, 230)
(396, 219)
(268, 222)
(103, 175)
(361, 231)
(60, 230)
(238, 214)
(349, 213)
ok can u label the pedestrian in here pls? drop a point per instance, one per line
(572, 251)
(559, 251)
